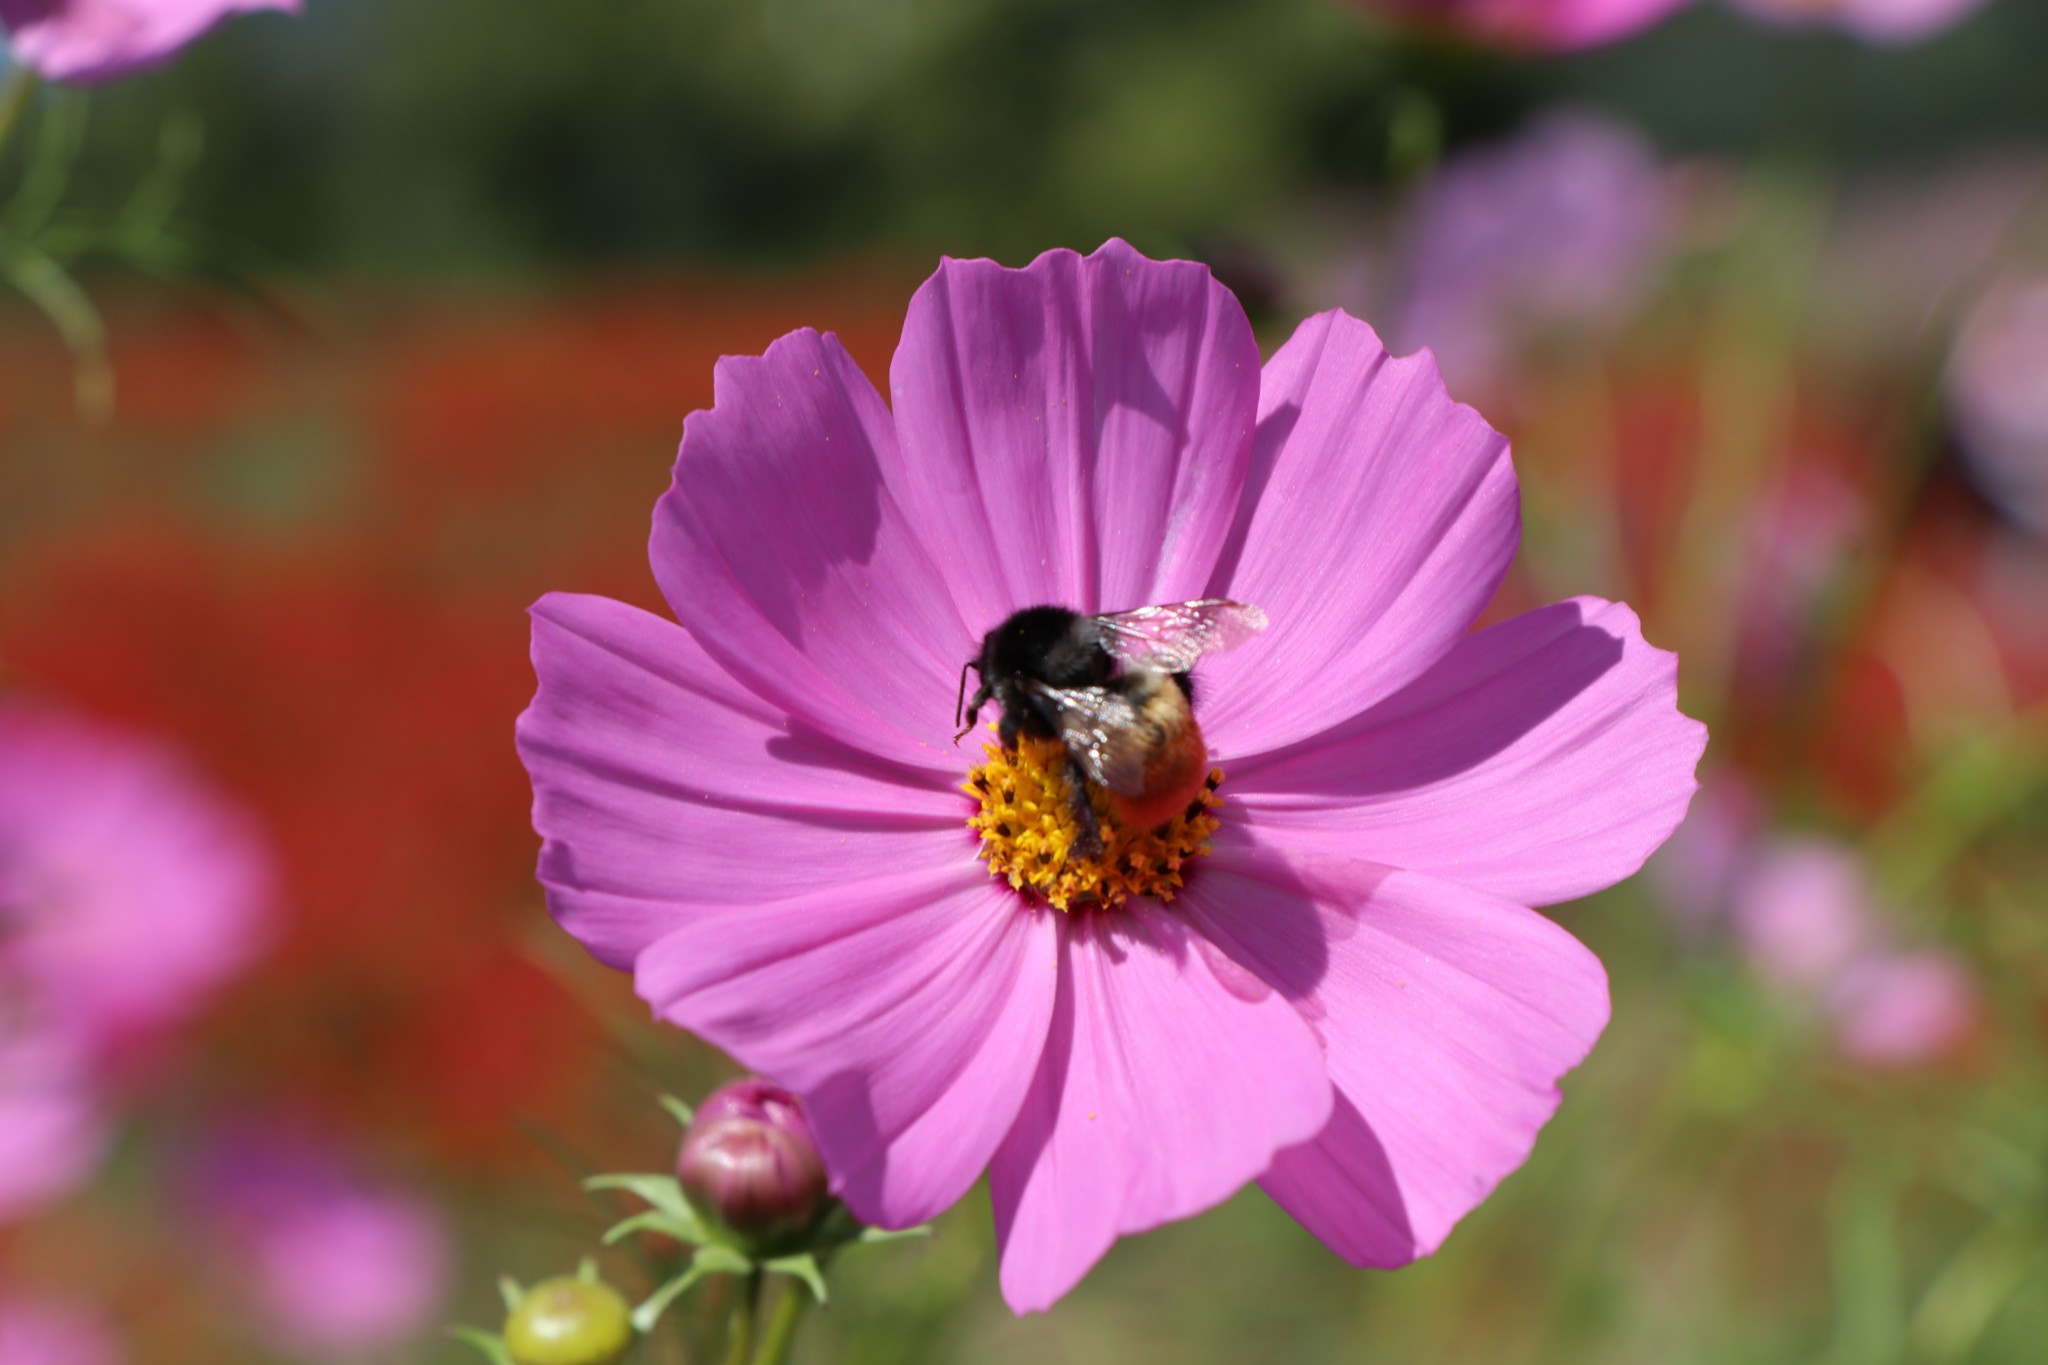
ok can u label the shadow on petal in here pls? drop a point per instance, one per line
(1497, 687)
(1350, 1198)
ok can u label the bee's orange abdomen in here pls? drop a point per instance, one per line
(1173, 778)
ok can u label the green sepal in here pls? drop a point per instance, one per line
(803, 1266)
(654, 1220)
(510, 1292)
(492, 1345)
(839, 1228)
(681, 1112)
(661, 1191)
(877, 1235)
(709, 1260)
(586, 1270)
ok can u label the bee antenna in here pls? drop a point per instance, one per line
(960, 699)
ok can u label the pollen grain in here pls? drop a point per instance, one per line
(1028, 832)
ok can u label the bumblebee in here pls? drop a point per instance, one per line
(1116, 692)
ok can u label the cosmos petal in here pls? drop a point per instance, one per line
(88, 41)
(1542, 759)
(1378, 518)
(1169, 1080)
(783, 552)
(1075, 432)
(661, 785)
(1446, 1017)
(1537, 25)
(907, 1012)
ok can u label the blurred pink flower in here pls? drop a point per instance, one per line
(1896, 1008)
(1998, 394)
(37, 1331)
(333, 1264)
(1877, 21)
(1544, 25)
(1561, 228)
(761, 811)
(1804, 913)
(88, 41)
(1800, 909)
(128, 887)
(1801, 531)
(1696, 868)
(52, 1133)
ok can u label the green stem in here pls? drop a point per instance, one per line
(15, 92)
(789, 1312)
(50, 289)
(739, 1337)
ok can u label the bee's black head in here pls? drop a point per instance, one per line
(1050, 644)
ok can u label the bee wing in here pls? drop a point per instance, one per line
(1169, 638)
(1104, 734)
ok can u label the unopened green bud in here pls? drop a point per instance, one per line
(569, 1321)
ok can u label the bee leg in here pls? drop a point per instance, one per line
(1089, 844)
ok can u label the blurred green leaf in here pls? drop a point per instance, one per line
(661, 1191)
(491, 1345)
(1972, 1287)
(803, 1266)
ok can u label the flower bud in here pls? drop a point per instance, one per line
(751, 1169)
(569, 1321)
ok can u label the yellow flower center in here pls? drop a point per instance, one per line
(1029, 832)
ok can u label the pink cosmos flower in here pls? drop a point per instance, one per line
(36, 1331)
(88, 41)
(128, 887)
(1541, 25)
(333, 1264)
(52, 1133)
(1876, 21)
(1340, 992)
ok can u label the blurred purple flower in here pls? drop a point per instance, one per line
(1901, 247)
(760, 809)
(1563, 227)
(52, 1133)
(128, 887)
(1998, 395)
(38, 1331)
(87, 41)
(1538, 25)
(1877, 21)
(332, 1264)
